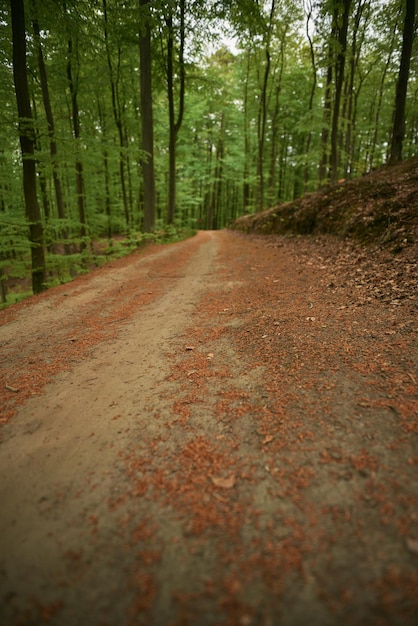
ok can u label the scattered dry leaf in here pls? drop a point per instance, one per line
(10, 388)
(412, 545)
(224, 483)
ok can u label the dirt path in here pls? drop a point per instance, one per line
(218, 432)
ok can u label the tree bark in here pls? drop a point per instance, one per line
(271, 189)
(339, 80)
(350, 96)
(49, 116)
(27, 145)
(59, 197)
(215, 208)
(147, 119)
(107, 202)
(116, 107)
(78, 163)
(174, 125)
(370, 156)
(323, 164)
(246, 190)
(398, 131)
(309, 12)
(262, 114)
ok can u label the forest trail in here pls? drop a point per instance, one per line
(222, 431)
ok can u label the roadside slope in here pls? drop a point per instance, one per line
(378, 209)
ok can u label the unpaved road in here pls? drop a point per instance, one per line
(221, 431)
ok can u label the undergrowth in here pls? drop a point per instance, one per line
(63, 268)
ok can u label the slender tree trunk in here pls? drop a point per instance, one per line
(3, 184)
(274, 145)
(208, 204)
(49, 117)
(174, 124)
(281, 192)
(147, 119)
(262, 114)
(172, 140)
(323, 164)
(261, 125)
(40, 169)
(274, 124)
(354, 157)
(370, 163)
(311, 95)
(27, 145)
(108, 207)
(216, 193)
(129, 191)
(246, 184)
(398, 131)
(78, 164)
(339, 81)
(118, 118)
(3, 285)
(350, 94)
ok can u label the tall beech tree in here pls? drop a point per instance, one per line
(342, 14)
(46, 99)
(351, 91)
(27, 145)
(147, 116)
(308, 6)
(173, 69)
(262, 111)
(398, 132)
(114, 78)
(72, 61)
(370, 153)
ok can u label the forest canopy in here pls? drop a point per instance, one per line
(142, 116)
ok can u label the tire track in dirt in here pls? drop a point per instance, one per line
(57, 465)
(47, 333)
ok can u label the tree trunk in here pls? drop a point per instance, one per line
(398, 131)
(262, 115)
(215, 210)
(49, 117)
(339, 80)
(147, 120)
(274, 137)
(349, 108)
(247, 155)
(41, 170)
(261, 126)
(174, 125)
(323, 169)
(311, 95)
(118, 119)
(78, 163)
(370, 160)
(3, 285)
(208, 204)
(107, 202)
(27, 145)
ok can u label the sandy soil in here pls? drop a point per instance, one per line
(219, 431)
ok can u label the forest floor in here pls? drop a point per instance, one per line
(221, 431)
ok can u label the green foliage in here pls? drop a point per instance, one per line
(228, 46)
